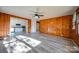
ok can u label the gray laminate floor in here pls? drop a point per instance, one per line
(49, 44)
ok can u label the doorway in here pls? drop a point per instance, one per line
(18, 25)
(37, 26)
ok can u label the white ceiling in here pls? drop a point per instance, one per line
(48, 11)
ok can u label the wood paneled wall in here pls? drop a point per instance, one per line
(60, 26)
(29, 26)
(4, 24)
(74, 36)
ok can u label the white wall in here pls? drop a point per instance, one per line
(33, 25)
(15, 21)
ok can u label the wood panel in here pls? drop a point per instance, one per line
(7, 24)
(4, 24)
(66, 25)
(29, 26)
(59, 26)
(56, 26)
(43, 26)
(75, 37)
(1, 24)
(52, 26)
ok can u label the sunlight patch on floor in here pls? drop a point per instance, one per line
(14, 46)
(31, 41)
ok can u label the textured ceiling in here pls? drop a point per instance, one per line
(48, 11)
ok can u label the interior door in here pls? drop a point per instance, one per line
(37, 26)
